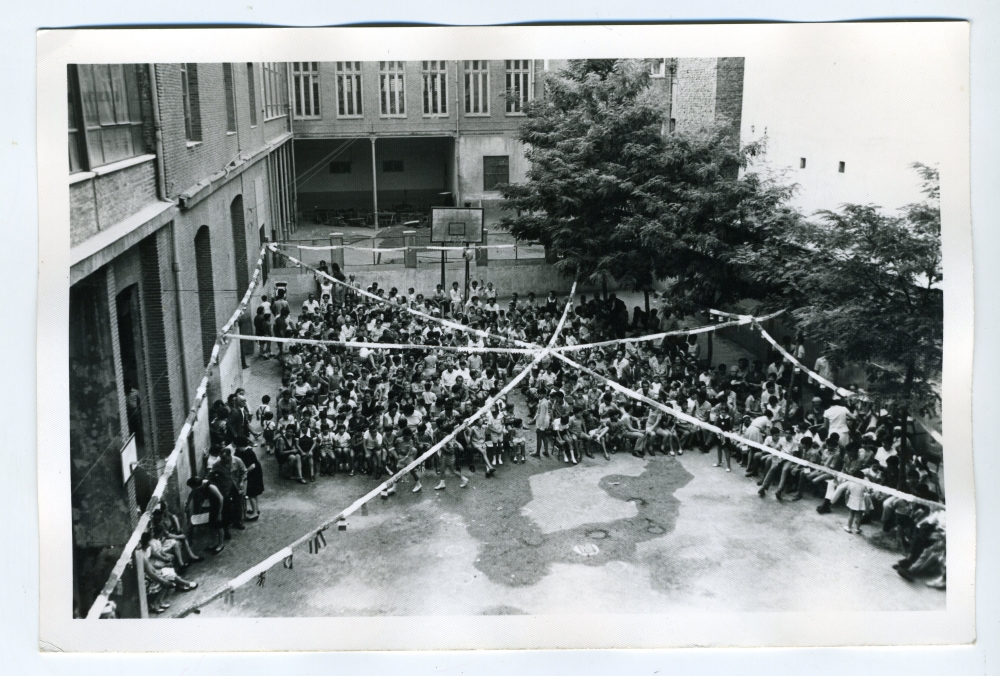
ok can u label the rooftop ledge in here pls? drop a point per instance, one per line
(110, 168)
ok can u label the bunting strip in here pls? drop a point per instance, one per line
(340, 519)
(180, 446)
(878, 488)
(375, 249)
(422, 315)
(841, 391)
(357, 345)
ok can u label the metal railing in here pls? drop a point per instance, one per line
(503, 247)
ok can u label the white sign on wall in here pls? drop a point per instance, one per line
(129, 458)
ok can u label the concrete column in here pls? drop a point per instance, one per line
(482, 258)
(337, 255)
(374, 184)
(410, 241)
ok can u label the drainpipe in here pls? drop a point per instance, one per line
(161, 189)
(176, 268)
(161, 179)
(458, 120)
(290, 89)
(374, 184)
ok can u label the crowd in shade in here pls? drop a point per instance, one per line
(368, 411)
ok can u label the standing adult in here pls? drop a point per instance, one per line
(262, 327)
(836, 421)
(203, 492)
(238, 422)
(254, 477)
(245, 323)
(823, 366)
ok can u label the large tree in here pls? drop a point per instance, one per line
(867, 284)
(614, 197)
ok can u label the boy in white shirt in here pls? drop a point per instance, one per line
(455, 294)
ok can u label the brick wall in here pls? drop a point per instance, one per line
(100, 516)
(102, 201)
(186, 165)
(172, 326)
(729, 90)
(157, 364)
(696, 93)
(200, 325)
(82, 212)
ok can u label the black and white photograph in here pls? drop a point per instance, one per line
(636, 340)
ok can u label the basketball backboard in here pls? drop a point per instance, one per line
(456, 225)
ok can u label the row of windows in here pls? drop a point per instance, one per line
(496, 169)
(273, 104)
(518, 87)
(106, 118)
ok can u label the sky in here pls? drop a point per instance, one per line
(875, 110)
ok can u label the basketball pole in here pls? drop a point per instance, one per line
(444, 257)
(466, 257)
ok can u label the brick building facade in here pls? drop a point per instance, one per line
(440, 133)
(172, 167)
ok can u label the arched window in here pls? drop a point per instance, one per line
(239, 246)
(206, 291)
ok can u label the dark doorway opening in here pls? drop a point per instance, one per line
(206, 291)
(136, 389)
(239, 246)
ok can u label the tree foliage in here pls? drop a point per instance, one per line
(616, 198)
(868, 285)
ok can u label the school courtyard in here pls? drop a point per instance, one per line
(652, 535)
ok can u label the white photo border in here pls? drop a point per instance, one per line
(58, 631)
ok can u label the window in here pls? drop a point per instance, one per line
(392, 88)
(340, 167)
(477, 88)
(496, 170)
(191, 101)
(841, 168)
(392, 166)
(274, 91)
(520, 89)
(77, 152)
(306, 87)
(802, 163)
(227, 82)
(252, 94)
(658, 67)
(349, 89)
(434, 75)
(105, 116)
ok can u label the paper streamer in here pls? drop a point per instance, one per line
(385, 346)
(286, 553)
(180, 446)
(370, 249)
(741, 321)
(842, 392)
(743, 440)
(407, 308)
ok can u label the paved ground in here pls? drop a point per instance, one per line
(625, 536)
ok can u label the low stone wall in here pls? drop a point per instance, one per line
(507, 277)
